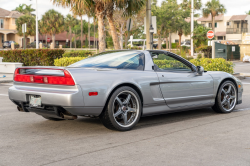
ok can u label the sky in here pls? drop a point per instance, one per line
(234, 7)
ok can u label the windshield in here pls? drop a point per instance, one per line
(115, 59)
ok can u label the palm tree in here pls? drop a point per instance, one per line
(70, 22)
(20, 8)
(97, 6)
(214, 8)
(79, 12)
(28, 9)
(54, 22)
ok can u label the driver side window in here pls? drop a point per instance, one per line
(168, 63)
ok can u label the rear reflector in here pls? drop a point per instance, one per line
(65, 79)
(93, 93)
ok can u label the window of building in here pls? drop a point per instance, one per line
(210, 25)
(220, 38)
(57, 43)
(176, 40)
(228, 23)
(1, 23)
(216, 25)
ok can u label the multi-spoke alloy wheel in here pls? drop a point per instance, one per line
(123, 110)
(226, 98)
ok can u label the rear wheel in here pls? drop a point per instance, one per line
(226, 99)
(53, 119)
(123, 110)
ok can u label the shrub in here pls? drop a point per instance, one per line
(66, 61)
(168, 63)
(32, 57)
(174, 45)
(218, 64)
(82, 53)
(207, 50)
(163, 46)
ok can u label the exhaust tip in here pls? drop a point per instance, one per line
(20, 109)
(68, 117)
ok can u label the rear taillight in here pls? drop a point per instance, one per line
(45, 79)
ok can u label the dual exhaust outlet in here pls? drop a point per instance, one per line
(62, 115)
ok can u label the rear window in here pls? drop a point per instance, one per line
(116, 59)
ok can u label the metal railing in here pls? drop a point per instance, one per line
(237, 30)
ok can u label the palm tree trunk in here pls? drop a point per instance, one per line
(81, 33)
(180, 39)
(113, 29)
(46, 40)
(101, 32)
(70, 34)
(213, 22)
(159, 42)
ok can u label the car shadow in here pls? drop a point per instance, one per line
(85, 124)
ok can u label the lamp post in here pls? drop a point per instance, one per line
(37, 46)
(192, 27)
(151, 30)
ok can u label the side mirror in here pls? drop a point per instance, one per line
(199, 70)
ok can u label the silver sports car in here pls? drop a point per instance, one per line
(119, 87)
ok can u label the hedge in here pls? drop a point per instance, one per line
(66, 61)
(82, 53)
(218, 64)
(32, 57)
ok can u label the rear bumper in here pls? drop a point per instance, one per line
(70, 101)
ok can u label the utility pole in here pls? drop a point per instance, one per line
(192, 27)
(148, 23)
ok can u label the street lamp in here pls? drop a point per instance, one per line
(36, 27)
(151, 30)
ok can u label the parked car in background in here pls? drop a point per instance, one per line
(7, 44)
(186, 43)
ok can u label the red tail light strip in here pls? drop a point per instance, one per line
(42, 79)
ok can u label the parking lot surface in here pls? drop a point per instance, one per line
(196, 137)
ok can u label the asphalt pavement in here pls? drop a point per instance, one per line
(191, 138)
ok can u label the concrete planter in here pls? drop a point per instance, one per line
(1, 59)
(9, 67)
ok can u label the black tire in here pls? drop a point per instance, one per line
(53, 119)
(115, 113)
(224, 95)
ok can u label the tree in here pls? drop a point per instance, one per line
(24, 9)
(248, 13)
(70, 22)
(214, 8)
(54, 22)
(30, 24)
(20, 8)
(97, 6)
(28, 9)
(166, 18)
(200, 36)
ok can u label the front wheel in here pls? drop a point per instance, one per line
(226, 99)
(123, 110)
